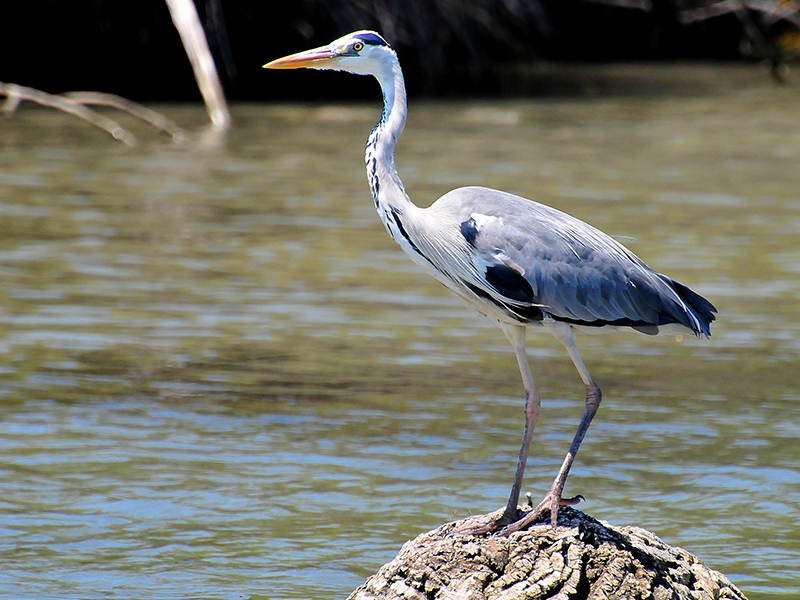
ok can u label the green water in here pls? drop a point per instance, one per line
(219, 378)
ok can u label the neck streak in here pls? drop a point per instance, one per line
(384, 182)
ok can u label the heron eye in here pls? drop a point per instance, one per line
(358, 46)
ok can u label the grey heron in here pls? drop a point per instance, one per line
(519, 262)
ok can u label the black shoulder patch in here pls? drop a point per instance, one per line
(469, 229)
(509, 283)
(373, 39)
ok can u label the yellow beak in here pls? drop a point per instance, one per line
(316, 57)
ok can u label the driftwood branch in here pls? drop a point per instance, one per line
(77, 104)
(771, 8)
(143, 113)
(15, 94)
(771, 11)
(184, 16)
(583, 558)
(643, 5)
(187, 22)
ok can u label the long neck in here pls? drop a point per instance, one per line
(390, 198)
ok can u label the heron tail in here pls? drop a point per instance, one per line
(702, 310)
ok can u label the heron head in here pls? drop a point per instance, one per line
(358, 52)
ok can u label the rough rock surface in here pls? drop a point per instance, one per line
(582, 559)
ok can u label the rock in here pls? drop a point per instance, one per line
(582, 559)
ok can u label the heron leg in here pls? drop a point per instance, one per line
(553, 498)
(516, 335)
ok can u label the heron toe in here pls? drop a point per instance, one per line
(550, 502)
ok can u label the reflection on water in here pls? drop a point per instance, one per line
(219, 377)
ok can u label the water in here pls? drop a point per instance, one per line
(220, 379)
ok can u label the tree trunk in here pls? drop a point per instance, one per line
(582, 559)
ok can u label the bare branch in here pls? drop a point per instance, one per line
(184, 15)
(148, 115)
(788, 12)
(17, 93)
(643, 5)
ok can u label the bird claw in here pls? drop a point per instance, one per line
(550, 502)
(488, 529)
(503, 526)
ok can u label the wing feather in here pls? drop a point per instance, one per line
(574, 271)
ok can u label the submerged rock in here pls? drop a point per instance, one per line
(582, 559)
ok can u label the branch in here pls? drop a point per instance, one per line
(184, 16)
(643, 5)
(787, 12)
(17, 93)
(147, 115)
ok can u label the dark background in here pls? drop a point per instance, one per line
(448, 47)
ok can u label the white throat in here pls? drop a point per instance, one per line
(384, 182)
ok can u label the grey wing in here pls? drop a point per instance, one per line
(573, 272)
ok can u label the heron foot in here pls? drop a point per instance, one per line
(487, 529)
(550, 502)
(505, 525)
